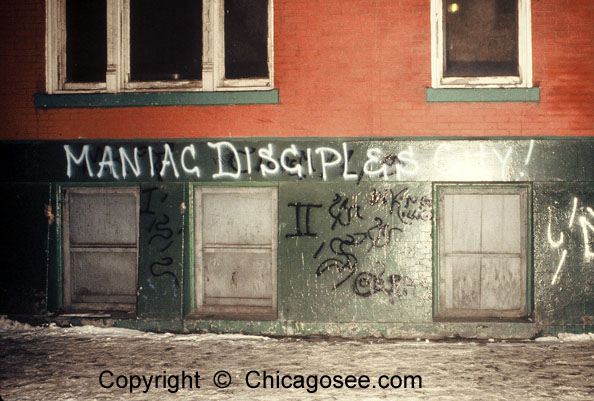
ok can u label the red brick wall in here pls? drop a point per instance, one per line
(343, 68)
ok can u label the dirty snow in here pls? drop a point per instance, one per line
(66, 364)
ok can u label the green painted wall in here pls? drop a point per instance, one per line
(161, 241)
(355, 226)
(359, 252)
(563, 253)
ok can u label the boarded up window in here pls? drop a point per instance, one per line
(235, 253)
(482, 251)
(100, 241)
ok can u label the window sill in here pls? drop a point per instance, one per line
(154, 99)
(440, 95)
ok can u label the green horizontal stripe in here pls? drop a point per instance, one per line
(155, 99)
(436, 95)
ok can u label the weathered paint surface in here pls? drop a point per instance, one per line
(355, 244)
(355, 252)
(564, 253)
(160, 269)
(311, 160)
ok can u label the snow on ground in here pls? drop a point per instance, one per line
(92, 363)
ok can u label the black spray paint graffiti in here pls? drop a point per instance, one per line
(299, 211)
(342, 213)
(343, 249)
(162, 234)
(395, 285)
(408, 208)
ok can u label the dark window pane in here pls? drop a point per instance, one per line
(86, 40)
(165, 40)
(246, 39)
(481, 38)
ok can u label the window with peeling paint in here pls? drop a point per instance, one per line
(235, 239)
(183, 45)
(100, 248)
(481, 43)
(482, 251)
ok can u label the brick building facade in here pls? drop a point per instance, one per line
(358, 145)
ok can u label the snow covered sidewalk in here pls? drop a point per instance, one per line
(91, 363)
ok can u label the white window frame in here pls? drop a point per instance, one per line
(524, 80)
(118, 54)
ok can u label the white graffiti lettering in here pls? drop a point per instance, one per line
(219, 146)
(346, 175)
(84, 155)
(107, 160)
(373, 160)
(248, 158)
(150, 152)
(559, 266)
(504, 160)
(478, 162)
(554, 244)
(408, 165)
(586, 226)
(168, 161)
(296, 168)
(267, 159)
(194, 170)
(126, 160)
(587, 229)
(328, 162)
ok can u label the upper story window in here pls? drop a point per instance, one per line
(128, 45)
(481, 43)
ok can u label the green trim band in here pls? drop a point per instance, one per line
(439, 95)
(154, 99)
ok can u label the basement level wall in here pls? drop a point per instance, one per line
(357, 246)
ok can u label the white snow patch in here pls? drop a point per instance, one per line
(214, 336)
(546, 339)
(8, 325)
(115, 332)
(101, 331)
(567, 337)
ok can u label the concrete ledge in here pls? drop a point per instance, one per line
(154, 99)
(440, 95)
(388, 330)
